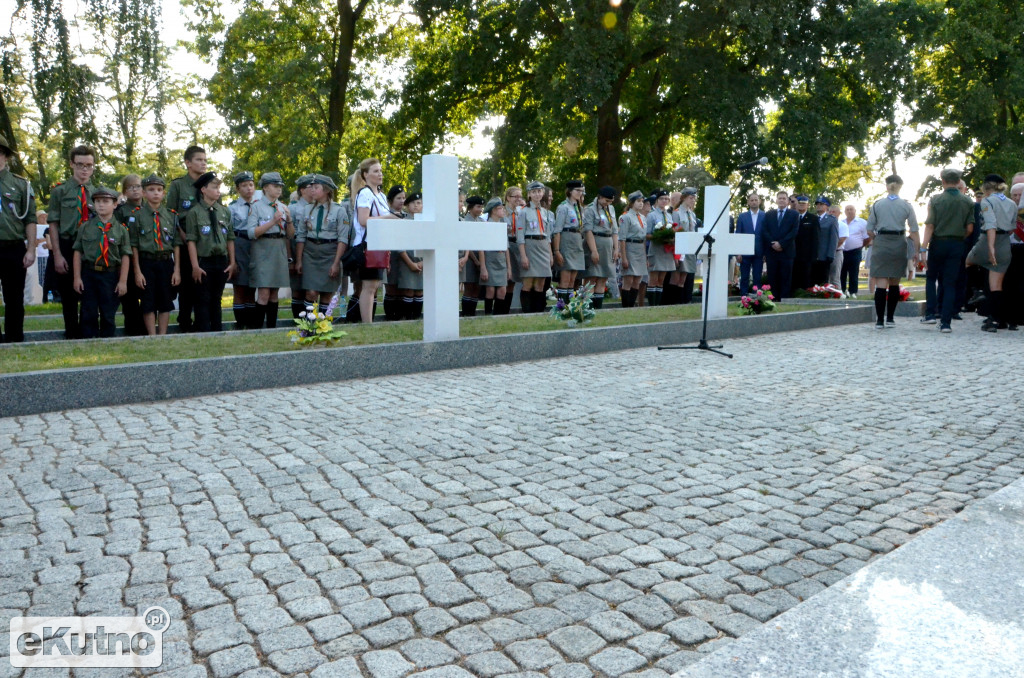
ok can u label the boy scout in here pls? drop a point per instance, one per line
(244, 302)
(102, 254)
(211, 248)
(17, 224)
(181, 197)
(131, 189)
(70, 207)
(155, 253)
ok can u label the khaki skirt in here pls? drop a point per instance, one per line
(658, 259)
(513, 255)
(978, 256)
(636, 253)
(605, 268)
(497, 269)
(889, 256)
(317, 259)
(407, 278)
(268, 263)
(242, 247)
(538, 254)
(570, 246)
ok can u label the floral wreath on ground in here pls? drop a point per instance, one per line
(313, 328)
(760, 301)
(578, 310)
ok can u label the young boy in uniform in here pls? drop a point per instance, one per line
(211, 248)
(101, 260)
(155, 253)
(70, 208)
(181, 197)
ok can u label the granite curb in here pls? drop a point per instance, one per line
(946, 604)
(55, 390)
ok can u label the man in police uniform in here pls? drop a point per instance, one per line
(17, 243)
(181, 197)
(828, 241)
(70, 207)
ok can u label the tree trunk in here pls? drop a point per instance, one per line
(609, 142)
(657, 168)
(341, 71)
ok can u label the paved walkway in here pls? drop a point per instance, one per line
(585, 516)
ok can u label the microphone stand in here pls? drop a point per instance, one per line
(708, 240)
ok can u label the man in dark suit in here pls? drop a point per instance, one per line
(806, 244)
(751, 222)
(778, 241)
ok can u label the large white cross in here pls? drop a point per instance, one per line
(437, 235)
(726, 244)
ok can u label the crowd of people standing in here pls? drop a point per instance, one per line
(156, 242)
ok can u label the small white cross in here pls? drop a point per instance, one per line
(726, 244)
(437, 235)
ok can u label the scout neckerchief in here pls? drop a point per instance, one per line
(608, 215)
(540, 221)
(212, 211)
(105, 247)
(83, 207)
(158, 232)
(579, 214)
(319, 219)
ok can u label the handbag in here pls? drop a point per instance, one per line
(378, 259)
(354, 257)
(360, 257)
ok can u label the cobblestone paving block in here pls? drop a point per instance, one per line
(576, 642)
(616, 661)
(387, 664)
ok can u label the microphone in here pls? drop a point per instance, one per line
(753, 163)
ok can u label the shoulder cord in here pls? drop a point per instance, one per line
(28, 201)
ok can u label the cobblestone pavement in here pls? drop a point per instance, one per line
(606, 515)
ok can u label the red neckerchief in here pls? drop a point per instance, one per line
(540, 221)
(105, 248)
(158, 234)
(83, 207)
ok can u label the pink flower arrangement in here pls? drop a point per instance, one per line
(760, 301)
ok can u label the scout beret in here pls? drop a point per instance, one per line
(893, 179)
(802, 198)
(153, 180)
(204, 179)
(994, 179)
(634, 196)
(534, 185)
(324, 180)
(607, 192)
(104, 192)
(689, 190)
(5, 146)
(658, 192)
(474, 200)
(413, 197)
(823, 200)
(300, 183)
(271, 178)
(492, 203)
(395, 190)
(575, 183)
(651, 199)
(244, 176)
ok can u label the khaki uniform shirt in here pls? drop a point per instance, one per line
(890, 215)
(17, 207)
(90, 242)
(322, 222)
(950, 212)
(66, 207)
(998, 212)
(210, 232)
(149, 237)
(181, 197)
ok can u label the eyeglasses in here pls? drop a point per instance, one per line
(82, 165)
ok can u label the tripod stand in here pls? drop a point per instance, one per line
(709, 240)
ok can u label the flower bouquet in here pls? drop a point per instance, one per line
(313, 327)
(904, 293)
(664, 236)
(760, 301)
(823, 292)
(578, 310)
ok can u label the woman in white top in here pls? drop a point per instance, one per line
(371, 203)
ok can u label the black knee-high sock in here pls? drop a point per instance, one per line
(272, 308)
(389, 307)
(501, 305)
(419, 308)
(650, 295)
(298, 306)
(238, 310)
(260, 315)
(598, 301)
(489, 306)
(880, 304)
(540, 302)
(633, 294)
(468, 306)
(525, 301)
(408, 308)
(252, 320)
(890, 305)
(352, 312)
(998, 312)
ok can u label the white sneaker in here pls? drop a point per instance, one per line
(852, 296)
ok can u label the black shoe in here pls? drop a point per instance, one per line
(957, 316)
(989, 326)
(978, 297)
(1012, 328)
(928, 320)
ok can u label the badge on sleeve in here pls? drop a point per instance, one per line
(185, 204)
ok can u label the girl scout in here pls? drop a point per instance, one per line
(632, 250)
(268, 225)
(533, 237)
(410, 271)
(321, 239)
(211, 250)
(244, 302)
(993, 250)
(659, 259)
(393, 302)
(602, 233)
(496, 265)
(470, 272)
(886, 224)
(686, 267)
(567, 239)
(513, 201)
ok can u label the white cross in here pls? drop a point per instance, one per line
(437, 235)
(726, 244)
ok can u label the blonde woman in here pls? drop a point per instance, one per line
(370, 203)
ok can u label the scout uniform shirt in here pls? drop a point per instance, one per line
(998, 212)
(240, 210)
(322, 222)
(533, 221)
(209, 227)
(153, 232)
(70, 206)
(263, 211)
(102, 244)
(17, 206)
(181, 197)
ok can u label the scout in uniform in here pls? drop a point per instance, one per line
(601, 230)
(181, 197)
(17, 225)
(269, 225)
(533, 237)
(632, 250)
(131, 189)
(211, 247)
(102, 257)
(513, 201)
(567, 238)
(685, 220)
(243, 305)
(470, 271)
(661, 259)
(993, 250)
(410, 272)
(496, 265)
(298, 210)
(70, 207)
(321, 237)
(155, 255)
(886, 225)
(393, 304)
